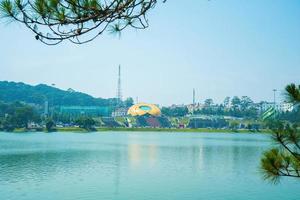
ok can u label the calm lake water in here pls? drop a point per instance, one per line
(137, 166)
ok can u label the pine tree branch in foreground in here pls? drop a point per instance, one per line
(284, 161)
(79, 21)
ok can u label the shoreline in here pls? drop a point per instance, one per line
(122, 129)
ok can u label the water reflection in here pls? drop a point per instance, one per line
(192, 155)
(138, 153)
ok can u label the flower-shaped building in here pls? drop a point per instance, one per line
(141, 109)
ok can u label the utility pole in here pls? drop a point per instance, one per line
(274, 116)
(193, 101)
(46, 108)
(193, 109)
(52, 106)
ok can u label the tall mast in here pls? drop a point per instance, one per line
(194, 93)
(119, 89)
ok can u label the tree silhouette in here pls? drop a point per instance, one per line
(79, 21)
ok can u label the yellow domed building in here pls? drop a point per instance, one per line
(142, 109)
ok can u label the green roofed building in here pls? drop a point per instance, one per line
(269, 113)
(86, 110)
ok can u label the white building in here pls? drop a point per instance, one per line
(119, 112)
(286, 107)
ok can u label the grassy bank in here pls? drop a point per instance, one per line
(70, 129)
(200, 130)
(123, 129)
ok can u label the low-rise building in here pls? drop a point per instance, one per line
(286, 107)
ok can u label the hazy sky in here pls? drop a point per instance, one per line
(219, 47)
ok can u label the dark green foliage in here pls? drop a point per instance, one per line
(233, 125)
(23, 115)
(86, 123)
(293, 116)
(128, 102)
(236, 102)
(49, 124)
(272, 163)
(174, 112)
(208, 102)
(7, 124)
(17, 115)
(6, 7)
(293, 93)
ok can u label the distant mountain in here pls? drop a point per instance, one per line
(12, 92)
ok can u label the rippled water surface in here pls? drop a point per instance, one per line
(137, 166)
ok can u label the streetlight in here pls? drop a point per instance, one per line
(274, 90)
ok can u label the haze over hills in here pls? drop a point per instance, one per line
(12, 91)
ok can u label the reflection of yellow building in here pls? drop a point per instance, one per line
(143, 109)
(139, 155)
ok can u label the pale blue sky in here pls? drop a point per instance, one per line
(219, 47)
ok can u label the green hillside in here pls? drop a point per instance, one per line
(12, 91)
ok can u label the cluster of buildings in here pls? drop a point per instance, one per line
(151, 115)
(142, 108)
(261, 106)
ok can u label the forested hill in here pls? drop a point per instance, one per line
(12, 92)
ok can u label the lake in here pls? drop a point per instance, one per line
(137, 166)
